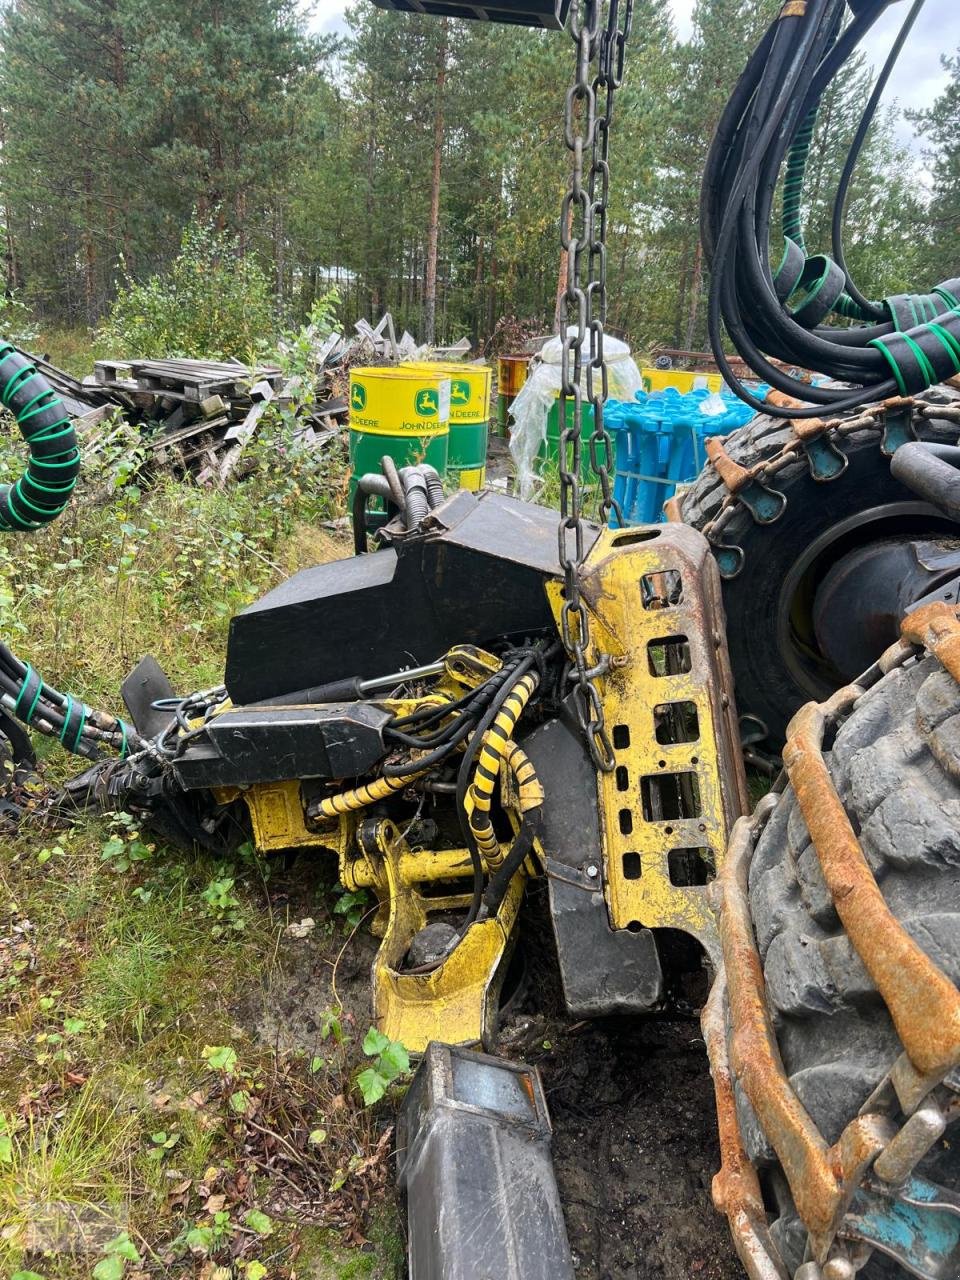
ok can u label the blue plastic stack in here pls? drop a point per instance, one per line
(660, 443)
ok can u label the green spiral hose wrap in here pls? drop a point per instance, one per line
(38, 497)
(44, 489)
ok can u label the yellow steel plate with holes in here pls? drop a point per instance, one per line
(276, 813)
(653, 595)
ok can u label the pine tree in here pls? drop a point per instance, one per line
(940, 125)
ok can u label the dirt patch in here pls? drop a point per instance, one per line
(631, 1100)
(325, 970)
(635, 1149)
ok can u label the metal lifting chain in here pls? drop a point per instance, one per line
(583, 234)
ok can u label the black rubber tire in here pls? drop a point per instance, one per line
(896, 766)
(767, 685)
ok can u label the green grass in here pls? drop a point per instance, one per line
(69, 349)
(116, 986)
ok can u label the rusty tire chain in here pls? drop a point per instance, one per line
(588, 113)
(737, 480)
(922, 1000)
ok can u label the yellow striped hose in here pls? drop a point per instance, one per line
(360, 797)
(498, 746)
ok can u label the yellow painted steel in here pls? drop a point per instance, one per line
(393, 401)
(469, 387)
(457, 1001)
(277, 817)
(662, 797)
(682, 380)
(415, 866)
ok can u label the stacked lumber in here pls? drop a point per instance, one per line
(197, 417)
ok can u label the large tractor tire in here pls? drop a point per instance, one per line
(895, 766)
(815, 593)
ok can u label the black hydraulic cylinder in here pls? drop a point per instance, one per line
(474, 1161)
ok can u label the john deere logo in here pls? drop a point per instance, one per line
(459, 391)
(358, 397)
(427, 402)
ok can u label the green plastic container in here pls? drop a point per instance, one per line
(550, 449)
(400, 412)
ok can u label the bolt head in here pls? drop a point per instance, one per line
(592, 870)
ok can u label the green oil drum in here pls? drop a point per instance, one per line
(401, 412)
(469, 420)
(549, 454)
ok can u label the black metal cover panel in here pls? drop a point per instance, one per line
(603, 970)
(274, 744)
(473, 1148)
(525, 13)
(477, 576)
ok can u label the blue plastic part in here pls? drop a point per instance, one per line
(660, 440)
(918, 1224)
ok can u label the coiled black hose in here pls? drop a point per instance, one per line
(780, 312)
(39, 496)
(44, 489)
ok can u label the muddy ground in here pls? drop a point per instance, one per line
(631, 1099)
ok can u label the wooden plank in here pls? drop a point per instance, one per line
(241, 434)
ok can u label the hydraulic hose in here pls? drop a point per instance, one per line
(416, 501)
(496, 890)
(780, 312)
(44, 489)
(434, 484)
(39, 496)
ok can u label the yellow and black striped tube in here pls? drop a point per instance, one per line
(360, 797)
(493, 749)
(529, 786)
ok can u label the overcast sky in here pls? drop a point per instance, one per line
(915, 83)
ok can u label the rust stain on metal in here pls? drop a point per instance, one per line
(671, 509)
(808, 429)
(936, 627)
(736, 1188)
(734, 476)
(923, 1002)
(803, 1151)
(780, 400)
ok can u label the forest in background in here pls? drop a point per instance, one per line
(417, 164)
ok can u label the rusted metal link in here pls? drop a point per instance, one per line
(936, 627)
(822, 1178)
(809, 428)
(755, 1056)
(736, 1188)
(923, 1003)
(734, 476)
(949, 412)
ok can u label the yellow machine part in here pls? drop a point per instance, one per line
(456, 1002)
(653, 595)
(277, 817)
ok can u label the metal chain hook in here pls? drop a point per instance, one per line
(588, 114)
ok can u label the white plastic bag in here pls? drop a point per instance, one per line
(539, 393)
(713, 406)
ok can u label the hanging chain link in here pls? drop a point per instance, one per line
(583, 234)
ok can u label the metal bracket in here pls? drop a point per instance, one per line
(898, 428)
(729, 559)
(917, 1224)
(825, 460)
